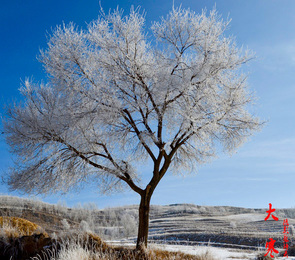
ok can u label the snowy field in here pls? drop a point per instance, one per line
(217, 252)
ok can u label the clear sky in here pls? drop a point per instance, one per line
(261, 172)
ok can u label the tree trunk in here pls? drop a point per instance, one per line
(143, 227)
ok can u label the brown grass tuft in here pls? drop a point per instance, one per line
(94, 245)
(155, 254)
(17, 227)
(262, 257)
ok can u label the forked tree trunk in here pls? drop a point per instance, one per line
(143, 227)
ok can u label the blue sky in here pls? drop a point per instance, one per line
(262, 171)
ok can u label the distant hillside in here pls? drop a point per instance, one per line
(181, 223)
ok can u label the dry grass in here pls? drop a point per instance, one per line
(89, 246)
(78, 252)
(17, 227)
(262, 257)
(167, 255)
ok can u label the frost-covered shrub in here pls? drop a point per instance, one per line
(112, 233)
(84, 226)
(291, 230)
(129, 224)
(65, 224)
(233, 224)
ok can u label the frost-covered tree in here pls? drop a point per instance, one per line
(129, 224)
(118, 97)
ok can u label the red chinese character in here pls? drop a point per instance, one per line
(286, 238)
(286, 229)
(269, 213)
(271, 248)
(285, 222)
(286, 254)
(286, 246)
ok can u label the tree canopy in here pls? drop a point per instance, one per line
(118, 95)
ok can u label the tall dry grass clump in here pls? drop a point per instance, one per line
(18, 227)
(88, 246)
(155, 254)
(262, 257)
(76, 251)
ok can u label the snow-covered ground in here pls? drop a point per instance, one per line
(216, 252)
(219, 253)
